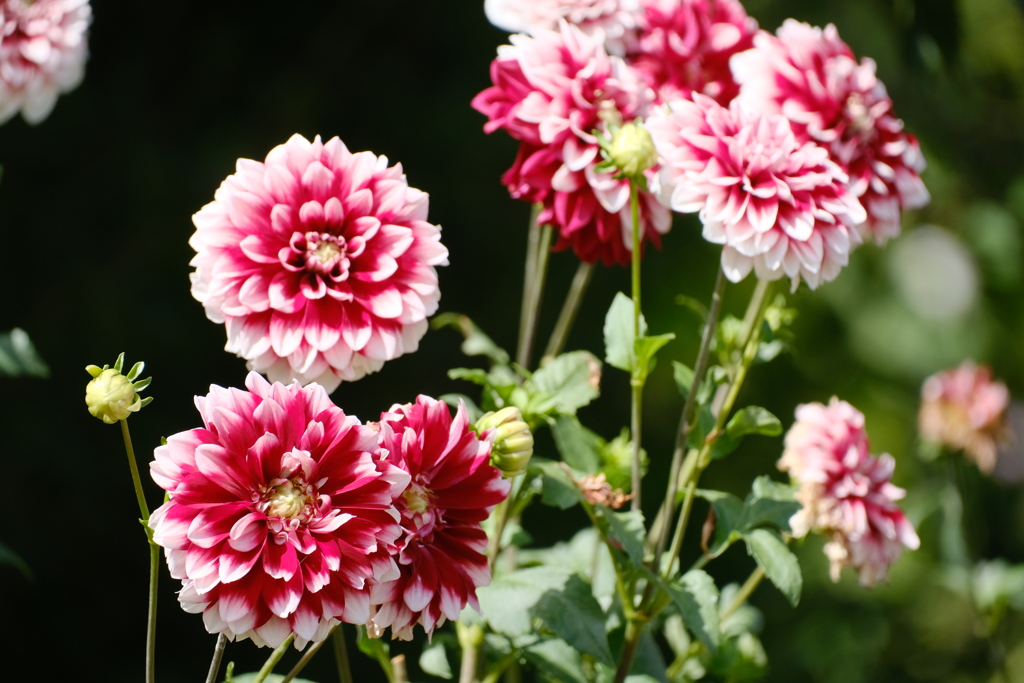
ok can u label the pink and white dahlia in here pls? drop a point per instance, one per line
(778, 206)
(612, 21)
(846, 493)
(320, 262)
(551, 91)
(685, 46)
(812, 77)
(42, 54)
(965, 409)
(453, 489)
(280, 513)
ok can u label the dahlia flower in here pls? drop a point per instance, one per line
(551, 91)
(42, 54)
(846, 493)
(279, 514)
(684, 46)
(613, 21)
(965, 409)
(320, 262)
(812, 77)
(776, 205)
(453, 489)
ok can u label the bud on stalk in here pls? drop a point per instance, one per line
(111, 396)
(511, 440)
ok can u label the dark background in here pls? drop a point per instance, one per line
(95, 207)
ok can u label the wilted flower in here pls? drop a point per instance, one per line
(511, 440)
(551, 91)
(965, 409)
(320, 262)
(42, 54)
(812, 77)
(598, 491)
(778, 206)
(111, 396)
(846, 493)
(453, 489)
(279, 515)
(613, 21)
(685, 46)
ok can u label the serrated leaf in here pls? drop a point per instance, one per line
(18, 356)
(558, 659)
(750, 420)
(579, 447)
(646, 348)
(626, 530)
(434, 661)
(618, 333)
(695, 595)
(570, 381)
(728, 511)
(769, 502)
(11, 559)
(779, 563)
(684, 377)
(557, 487)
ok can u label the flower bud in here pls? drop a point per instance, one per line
(632, 150)
(112, 396)
(511, 439)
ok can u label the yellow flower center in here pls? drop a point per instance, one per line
(287, 500)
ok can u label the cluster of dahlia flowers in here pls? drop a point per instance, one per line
(965, 409)
(846, 493)
(285, 515)
(784, 144)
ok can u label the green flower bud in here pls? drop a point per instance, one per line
(511, 438)
(632, 150)
(112, 396)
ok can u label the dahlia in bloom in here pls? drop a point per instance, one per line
(846, 493)
(965, 409)
(453, 489)
(42, 54)
(684, 46)
(613, 21)
(812, 77)
(551, 91)
(279, 515)
(320, 262)
(778, 206)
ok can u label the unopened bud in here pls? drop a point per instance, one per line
(511, 439)
(632, 150)
(112, 396)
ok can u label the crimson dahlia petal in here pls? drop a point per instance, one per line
(280, 513)
(812, 77)
(320, 262)
(453, 489)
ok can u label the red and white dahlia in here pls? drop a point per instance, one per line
(685, 46)
(551, 91)
(846, 493)
(279, 515)
(320, 262)
(778, 206)
(812, 77)
(612, 21)
(42, 54)
(965, 409)
(453, 489)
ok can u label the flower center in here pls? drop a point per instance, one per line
(289, 499)
(417, 500)
(862, 121)
(318, 252)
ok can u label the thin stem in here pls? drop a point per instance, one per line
(569, 310)
(503, 664)
(471, 640)
(532, 241)
(143, 508)
(503, 512)
(536, 292)
(684, 519)
(218, 655)
(748, 588)
(635, 381)
(154, 578)
(273, 659)
(629, 648)
(398, 666)
(340, 654)
(307, 656)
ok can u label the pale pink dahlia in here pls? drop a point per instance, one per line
(777, 205)
(685, 46)
(320, 262)
(280, 513)
(42, 54)
(612, 21)
(453, 489)
(551, 91)
(965, 409)
(846, 493)
(811, 76)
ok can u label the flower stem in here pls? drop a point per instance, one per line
(398, 666)
(308, 655)
(273, 659)
(340, 654)
(635, 382)
(633, 632)
(748, 588)
(538, 250)
(218, 655)
(143, 508)
(500, 522)
(569, 310)
(503, 664)
(471, 640)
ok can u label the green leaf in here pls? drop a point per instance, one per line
(779, 563)
(626, 531)
(18, 356)
(570, 381)
(740, 659)
(556, 658)
(474, 375)
(618, 333)
(695, 595)
(476, 342)
(750, 420)
(684, 377)
(371, 646)
(728, 511)
(557, 487)
(646, 348)
(580, 448)
(12, 559)
(771, 503)
(472, 409)
(434, 661)
(575, 616)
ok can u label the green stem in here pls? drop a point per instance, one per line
(500, 522)
(633, 632)
(273, 659)
(499, 668)
(340, 654)
(308, 655)
(471, 640)
(748, 588)
(218, 655)
(684, 519)
(569, 310)
(635, 382)
(143, 508)
(529, 329)
(532, 241)
(154, 578)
